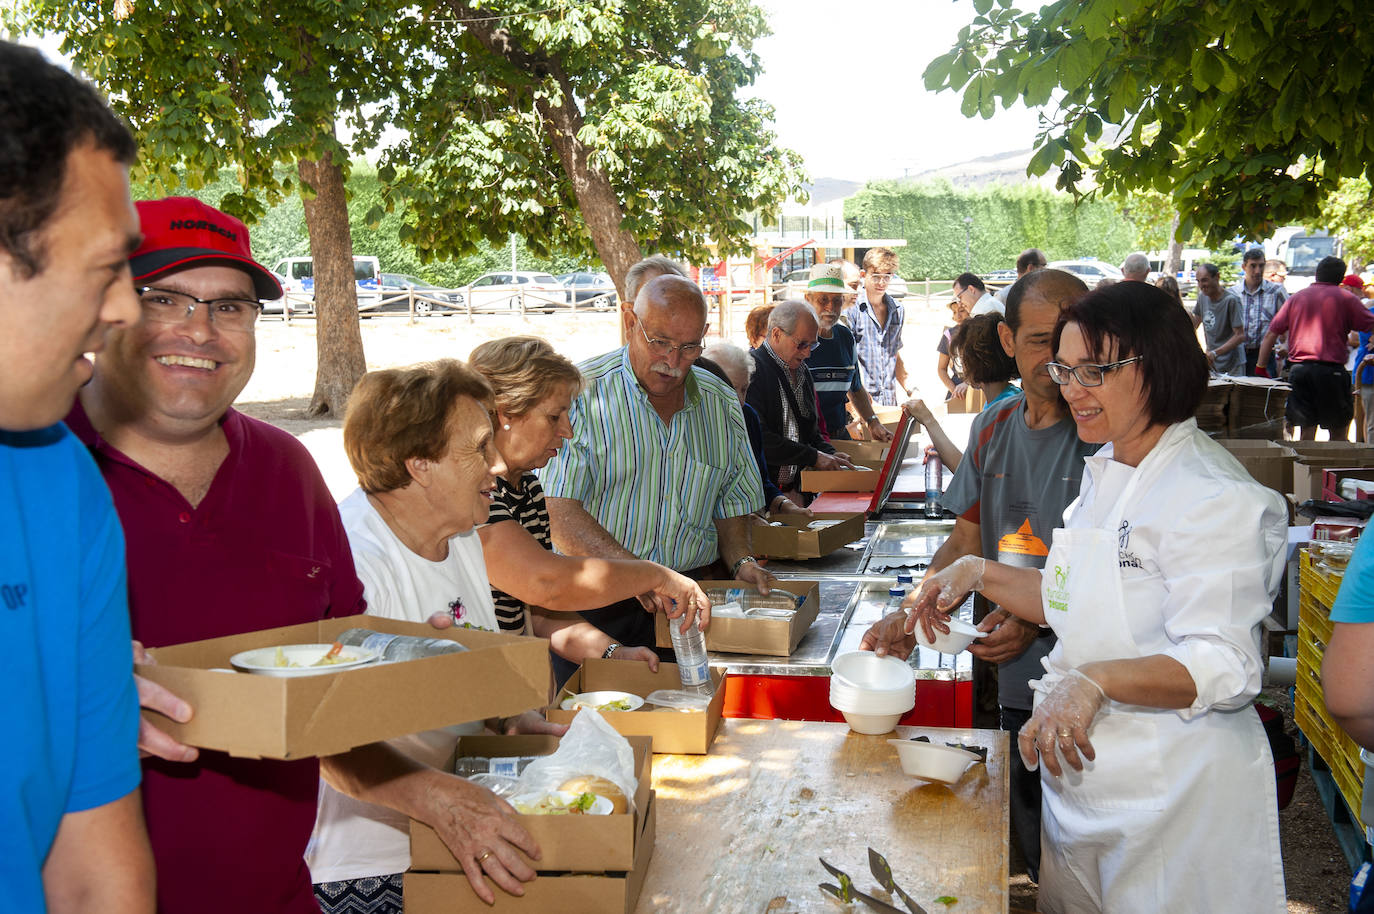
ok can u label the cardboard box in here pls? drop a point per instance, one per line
(570, 893)
(576, 844)
(843, 480)
(862, 450)
(796, 541)
(1332, 476)
(1270, 463)
(681, 732)
(775, 637)
(971, 402)
(290, 718)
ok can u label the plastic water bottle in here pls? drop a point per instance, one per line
(906, 581)
(394, 648)
(895, 596)
(690, 648)
(934, 484)
(508, 766)
(748, 598)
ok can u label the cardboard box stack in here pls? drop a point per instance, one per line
(1243, 408)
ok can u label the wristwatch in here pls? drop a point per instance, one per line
(610, 650)
(744, 560)
(871, 419)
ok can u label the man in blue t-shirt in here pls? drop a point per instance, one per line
(834, 361)
(71, 827)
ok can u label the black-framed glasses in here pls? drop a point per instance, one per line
(166, 306)
(1088, 375)
(664, 348)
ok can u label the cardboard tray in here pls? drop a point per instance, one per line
(844, 480)
(580, 844)
(795, 541)
(680, 732)
(861, 450)
(447, 893)
(290, 718)
(775, 637)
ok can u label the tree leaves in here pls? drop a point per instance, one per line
(1218, 104)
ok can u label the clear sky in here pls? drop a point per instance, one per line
(845, 78)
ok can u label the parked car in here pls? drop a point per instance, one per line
(796, 285)
(587, 286)
(1090, 271)
(504, 290)
(393, 287)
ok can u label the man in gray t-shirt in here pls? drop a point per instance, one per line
(1221, 315)
(1023, 465)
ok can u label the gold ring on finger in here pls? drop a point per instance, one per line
(483, 858)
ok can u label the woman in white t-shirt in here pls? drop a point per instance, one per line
(420, 440)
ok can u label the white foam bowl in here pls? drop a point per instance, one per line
(932, 761)
(871, 703)
(867, 671)
(960, 636)
(871, 724)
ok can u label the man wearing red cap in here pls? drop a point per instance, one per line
(71, 829)
(1318, 321)
(230, 529)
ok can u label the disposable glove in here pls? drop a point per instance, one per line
(1062, 721)
(941, 593)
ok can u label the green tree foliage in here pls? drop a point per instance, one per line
(1007, 219)
(1246, 114)
(623, 113)
(1349, 212)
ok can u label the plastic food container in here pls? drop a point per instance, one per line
(932, 761)
(960, 636)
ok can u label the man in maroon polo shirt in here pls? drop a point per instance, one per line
(1318, 320)
(229, 529)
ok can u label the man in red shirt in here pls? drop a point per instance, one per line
(1318, 321)
(230, 529)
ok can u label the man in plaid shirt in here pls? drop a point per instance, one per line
(1260, 300)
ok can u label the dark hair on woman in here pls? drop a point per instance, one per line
(46, 113)
(1136, 319)
(1170, 286)
(977, 349)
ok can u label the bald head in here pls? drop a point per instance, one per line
(1055, 286)
(669, 295)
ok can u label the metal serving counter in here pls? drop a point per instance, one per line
(852, 599)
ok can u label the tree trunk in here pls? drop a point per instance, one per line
(1174, 263)
(596, 198)
(338, 338)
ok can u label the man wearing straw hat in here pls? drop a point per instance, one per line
(834, 361)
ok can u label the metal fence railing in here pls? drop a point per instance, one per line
(414, 304)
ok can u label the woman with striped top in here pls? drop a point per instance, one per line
(535, 589)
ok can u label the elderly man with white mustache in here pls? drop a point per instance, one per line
(659, 465)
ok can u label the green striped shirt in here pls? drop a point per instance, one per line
(656, 488)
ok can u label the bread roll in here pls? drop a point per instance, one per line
(590, 783)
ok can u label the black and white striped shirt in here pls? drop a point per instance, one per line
(526, 507)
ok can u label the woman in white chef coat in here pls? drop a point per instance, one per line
(1159, 786)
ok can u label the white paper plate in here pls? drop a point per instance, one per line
(263, 660)
(602, 806)
(595, 699)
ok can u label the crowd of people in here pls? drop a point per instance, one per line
(518, 492)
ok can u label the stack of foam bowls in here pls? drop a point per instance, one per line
(871, 692)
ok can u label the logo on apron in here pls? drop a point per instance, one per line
(1057, 596)
(1125, 559)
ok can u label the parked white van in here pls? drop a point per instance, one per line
(299, 277)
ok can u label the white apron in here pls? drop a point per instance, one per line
(1173, 815)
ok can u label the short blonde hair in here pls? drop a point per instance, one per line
(523, 370)
(404, 413)
(877, 258)
(756, 324)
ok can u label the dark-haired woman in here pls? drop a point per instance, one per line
(977, 350)
(1158, 783)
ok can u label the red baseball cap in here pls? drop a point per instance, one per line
(1354, 282)
(182, 231)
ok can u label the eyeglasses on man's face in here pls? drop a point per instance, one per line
(1088, 375)
(663, 349)
(166, 306)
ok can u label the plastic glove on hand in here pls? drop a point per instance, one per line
(1062, 721)
(941, 593)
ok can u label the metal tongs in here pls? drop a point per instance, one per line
(882, 871)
